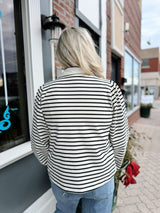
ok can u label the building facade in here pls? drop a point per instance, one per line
(150, 72)
(124, 51)
(27, 61)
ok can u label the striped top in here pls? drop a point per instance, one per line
(79, 130)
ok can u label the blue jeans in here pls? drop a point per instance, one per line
(96, 201)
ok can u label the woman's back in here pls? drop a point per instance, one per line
(78, 112)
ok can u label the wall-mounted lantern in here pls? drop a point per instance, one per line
(52, 23)
(127, 26)
(124, 80)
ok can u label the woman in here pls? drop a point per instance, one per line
(80, 128)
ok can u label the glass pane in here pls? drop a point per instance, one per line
(145, 62)
(136, 84)
(93, 5)
(13, 102)
(128, 84)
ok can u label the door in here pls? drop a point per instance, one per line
(115, 69)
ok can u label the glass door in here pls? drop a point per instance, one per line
(14, 128)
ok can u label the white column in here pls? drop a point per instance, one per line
(104, 35)
(52, 46)
(31, 18)
(3, 62)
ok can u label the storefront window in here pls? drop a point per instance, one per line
(132, 70)
(136, 84)
(13, 102)
(128, 84)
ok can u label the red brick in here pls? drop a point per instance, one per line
(65, 11)
(153, 65)
(132, 14)
(134, 117)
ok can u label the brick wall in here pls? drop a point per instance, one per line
(121, 72)
(134, 117)
(132, 14)
(153, 65)
(65, 11)
(108, 39)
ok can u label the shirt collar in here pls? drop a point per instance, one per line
(70, 71)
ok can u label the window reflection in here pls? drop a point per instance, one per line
(128, 84)
(132, 70)
(136, 84)
(14, 72)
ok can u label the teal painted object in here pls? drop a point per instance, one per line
(6, 123)
(0, 14)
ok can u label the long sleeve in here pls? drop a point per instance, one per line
(119, 131)
(40, 133)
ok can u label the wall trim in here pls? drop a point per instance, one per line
(132, 54)
(104, 36)
(14, 154)
(117, 52)
(119, 6)
(52, 48)
(121, 2)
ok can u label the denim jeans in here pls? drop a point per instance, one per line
(96, 201)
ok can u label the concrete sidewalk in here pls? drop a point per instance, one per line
(144, 197)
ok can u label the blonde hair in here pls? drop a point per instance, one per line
(76, 48)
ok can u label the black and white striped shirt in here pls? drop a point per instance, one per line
(80, 130)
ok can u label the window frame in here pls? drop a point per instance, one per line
(81, 16)
(146, 65)
(31, 21)
(14, 97)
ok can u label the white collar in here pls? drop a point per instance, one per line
(70, 71)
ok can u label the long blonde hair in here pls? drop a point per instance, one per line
(76, 48)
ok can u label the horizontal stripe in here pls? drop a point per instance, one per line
(80, 131)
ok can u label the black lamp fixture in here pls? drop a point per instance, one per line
(124, 80)
(52, 23)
